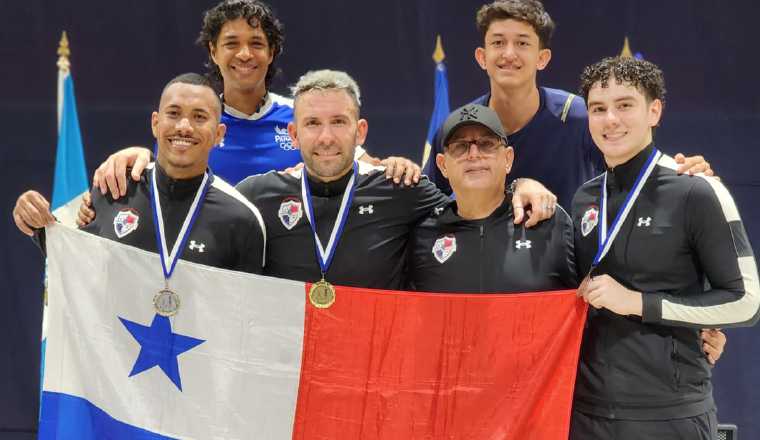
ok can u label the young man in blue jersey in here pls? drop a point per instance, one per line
(547, 127)
(243, 39)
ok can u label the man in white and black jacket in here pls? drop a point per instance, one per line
(228, 230)
(665, 255)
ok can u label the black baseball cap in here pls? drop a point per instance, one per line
(472, 114)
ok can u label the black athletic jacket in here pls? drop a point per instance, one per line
(492, 255)
(228, 233)
(371, 253)
(682, 233)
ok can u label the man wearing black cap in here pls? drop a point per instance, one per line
(476, 232)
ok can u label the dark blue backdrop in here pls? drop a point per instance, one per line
(123, 52)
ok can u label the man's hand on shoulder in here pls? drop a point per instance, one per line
(692, 165)
(111, 175)
(396, 168)
(531, 199)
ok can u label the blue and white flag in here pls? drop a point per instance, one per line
(70, 179)
(441, 102)
(250, 357)
(225, 366)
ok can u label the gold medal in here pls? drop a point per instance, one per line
(166, 302)
(322, 294)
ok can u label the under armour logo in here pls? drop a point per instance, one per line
(523, 244)
(438, 210)
(646, 222)
(369, 209)
(468, 113)
(197, 246)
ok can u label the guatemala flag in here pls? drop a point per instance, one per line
(441, 104)
(70, 180)
(249, 357)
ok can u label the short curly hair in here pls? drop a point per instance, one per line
(642, 74)
(257, 13)
(528, 11)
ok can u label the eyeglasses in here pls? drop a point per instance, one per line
(486, 145)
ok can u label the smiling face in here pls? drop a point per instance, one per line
(243, 56)
(186, 127)
(512, 54)
(483, 166)
(327, 130)
(621, 118)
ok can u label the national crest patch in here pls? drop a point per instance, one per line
(126, 221)
(444, 248)
(290, 212)
(589, 220)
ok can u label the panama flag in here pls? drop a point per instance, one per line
(249, 357)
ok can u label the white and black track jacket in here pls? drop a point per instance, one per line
(491, 255)
(684, 247)
(372, 250)
(228, 232)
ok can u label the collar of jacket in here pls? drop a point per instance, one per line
(449, 215)
(623, 176)
(329, 189)
(176, 189)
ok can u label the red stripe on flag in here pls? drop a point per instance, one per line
(401, 365)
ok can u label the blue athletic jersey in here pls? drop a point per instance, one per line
(255, 145)
(555, 147)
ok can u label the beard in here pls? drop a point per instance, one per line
(331, 169)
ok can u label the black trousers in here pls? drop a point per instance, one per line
(590, 427)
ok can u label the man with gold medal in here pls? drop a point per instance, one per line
(358, 220)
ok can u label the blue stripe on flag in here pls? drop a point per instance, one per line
(70, 173)
(71, 417)
(441, 106)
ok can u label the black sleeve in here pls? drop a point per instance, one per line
(425, 197)
(247, 187)
(251, 249)
(566, 261)
(430, 169)
(720, 245)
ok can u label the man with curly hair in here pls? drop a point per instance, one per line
(665, 255)
(243, 39)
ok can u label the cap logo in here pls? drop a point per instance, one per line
(468, 114)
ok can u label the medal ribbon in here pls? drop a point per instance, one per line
(325, 255)
(169, 260)
(605, 238)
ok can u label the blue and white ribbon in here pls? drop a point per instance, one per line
(605, 238)
(325, 254)
(169, 259)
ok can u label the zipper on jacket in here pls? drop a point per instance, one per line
(480, 264)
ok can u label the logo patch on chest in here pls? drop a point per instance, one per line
(282, 138)
(444, 248)
(126, 221)
(589, 220)
(290, 212)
